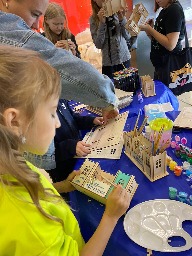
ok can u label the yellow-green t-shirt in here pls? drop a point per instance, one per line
(24, 231)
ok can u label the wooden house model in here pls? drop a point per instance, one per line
(148, 86)
(113, 6)
(139, 149)
(97, 183)
(137, 18)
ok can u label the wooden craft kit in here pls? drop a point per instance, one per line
(98, 184)
(107, 140)
(137, 18)
(147, 86)
(113, 6)
(148, 156)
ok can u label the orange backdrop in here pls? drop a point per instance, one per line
(78, 13)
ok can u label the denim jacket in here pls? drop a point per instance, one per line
(80, 81)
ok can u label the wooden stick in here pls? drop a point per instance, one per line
(143, 124)
(136, 123)
(164, 146)
(156, 144)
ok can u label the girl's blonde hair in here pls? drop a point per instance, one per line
(25, 82)
(55, 10)
(95, 10)
(157, 6)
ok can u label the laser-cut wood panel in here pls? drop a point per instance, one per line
(137, 18)
(113, 6)
(107, 140)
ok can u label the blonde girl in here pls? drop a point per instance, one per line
(56, 29)
(34, 219)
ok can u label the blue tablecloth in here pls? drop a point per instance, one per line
(89, 212)
(163, 95)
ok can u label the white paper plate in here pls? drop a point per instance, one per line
(151, 224)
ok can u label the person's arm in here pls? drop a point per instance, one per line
(65, 186)
(80, 80)
(117, 204)
(124, 31)
(98, 33)
(173, 24)
(168, 41)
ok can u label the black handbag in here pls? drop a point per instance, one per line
(176, 71)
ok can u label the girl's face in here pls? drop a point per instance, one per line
(42, 131)
(99, 2)
(29, 11)
(163, 3)
(56, 24)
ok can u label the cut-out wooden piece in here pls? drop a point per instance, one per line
(97, 183)
(137, 18)
(107, 140)
(113, 6)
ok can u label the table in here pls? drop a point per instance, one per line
(89, 212)
(163, 95)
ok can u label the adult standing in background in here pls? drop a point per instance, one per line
(166, 35)
(56, 29)
(109, 35)
(80, 81)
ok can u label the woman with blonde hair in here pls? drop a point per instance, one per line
(43, 223)
(56, 29)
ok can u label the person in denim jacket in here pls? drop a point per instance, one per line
(80, 81)
(59, 163)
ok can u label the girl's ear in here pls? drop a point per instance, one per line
(12, 120)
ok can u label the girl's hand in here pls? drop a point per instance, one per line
(147, 28)
(117, 203)
(71, 44)
(65, 186)
(150, 22)
(109, 112)
(83, 149)
(62, 44)
(72, 47)
(121, 13)
(101, 15)
(98, 121)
